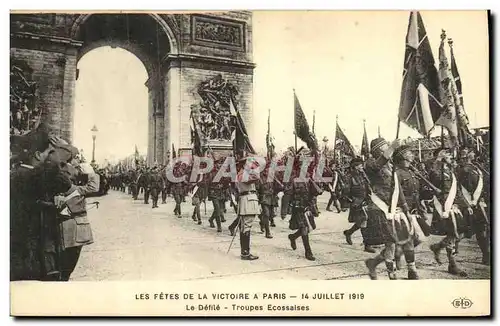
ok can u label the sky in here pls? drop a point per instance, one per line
(345, 63)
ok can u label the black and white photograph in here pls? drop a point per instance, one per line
(249, 147)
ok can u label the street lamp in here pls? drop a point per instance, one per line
(94, 135)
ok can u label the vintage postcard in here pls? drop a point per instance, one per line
(250, 163)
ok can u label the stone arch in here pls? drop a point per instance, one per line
(130, 47)
(136, 34)
(166, 28)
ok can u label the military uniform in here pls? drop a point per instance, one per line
(448, 219)
(199, 196)
(178, 193)
(156, 185)
(216, 195)
(248, 209)
(389, 228)
(473, 186)
(358, 194)
(302, 219)
(75, 226)
(266, 198)
(335, 188)
(285, 200)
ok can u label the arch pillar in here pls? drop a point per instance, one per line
(156, 127)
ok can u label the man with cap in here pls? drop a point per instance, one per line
(156, 184)
(335, 188)
(302, 219)
(379, 172)
(410, 184)
(74, 224)
(35, 152)
(448, 218)
(248, 204)
(358, 194)
(472, 181)
(266, 196)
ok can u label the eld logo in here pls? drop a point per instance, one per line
(463, 303)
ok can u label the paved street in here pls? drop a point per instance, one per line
(135, 242)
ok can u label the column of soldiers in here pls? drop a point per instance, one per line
(446, 197)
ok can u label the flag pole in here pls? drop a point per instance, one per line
(442, 137)
(335, 140)
(294, 122)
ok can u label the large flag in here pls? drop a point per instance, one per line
(448, 118)
(343, 146)
(365, 147)
(302, 127)
(464, 133)
(241, 140)
(419, 107)
(196, 138)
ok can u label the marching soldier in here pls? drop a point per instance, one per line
(335, 188)
(448, 218)
(358, 193)
(389, 225)
(403, 158)
(199, 196)
(177, 189)
(471, 179)
(156, 185)
(216, 195)
(164, 190)
(303, 211)
(266, 196)
(248, 207)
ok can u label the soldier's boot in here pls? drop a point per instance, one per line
(482, 241)
(412, 271)
(271, 221)
(233, 225)
(245, 247)
(163, 197)
(398, 257)
(178, 206)
(456, 247)
(410, 261)
(348, 233)
(452, 264)
(193, 216)
(436, 249)
(307, 247)
(372, 263)
(391, 270)
(219, 226)
(268, 231)
(146, 197)
(330, 202)
(262, 227)
(211, 221)
(338, 206)
(370, 249)
(293, 238)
